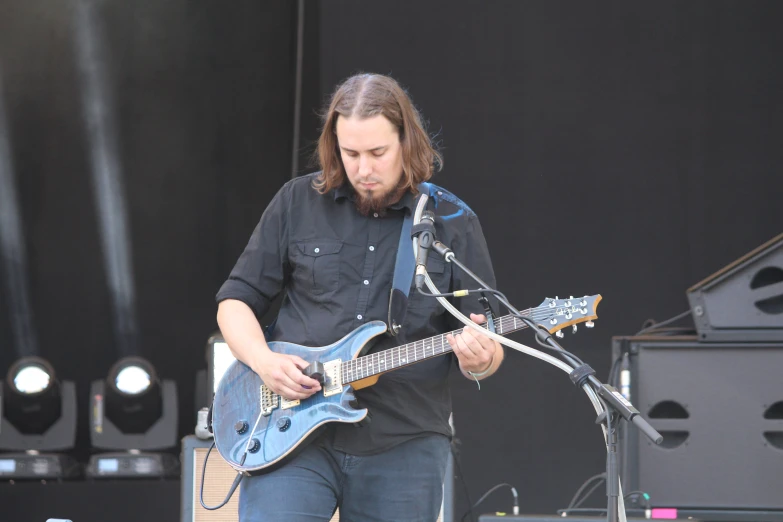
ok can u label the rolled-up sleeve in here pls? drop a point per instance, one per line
(262, 270)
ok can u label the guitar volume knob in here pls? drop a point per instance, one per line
(240, 427)
(283, 423)
(255, 445)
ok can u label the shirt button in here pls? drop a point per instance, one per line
(372, 249)
(317, 250)
(359, 317)
(375, 214)
(366, 282)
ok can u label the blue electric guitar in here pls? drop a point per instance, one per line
(257, 430)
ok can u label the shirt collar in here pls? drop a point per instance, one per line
(345, 191)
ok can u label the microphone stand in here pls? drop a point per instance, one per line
(614, 404)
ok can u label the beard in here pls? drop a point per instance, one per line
(373, 201)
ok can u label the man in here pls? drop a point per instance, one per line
(329, 240)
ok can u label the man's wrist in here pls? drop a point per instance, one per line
(484, 372)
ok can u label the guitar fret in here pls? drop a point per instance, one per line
(404, 355)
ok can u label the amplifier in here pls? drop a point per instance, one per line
(719, 407)
(220, 476)
(743, 301)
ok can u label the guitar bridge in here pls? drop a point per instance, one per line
(285, 403)
(269, 400)
(333, 382)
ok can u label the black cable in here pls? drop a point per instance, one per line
(513, 311)
(614, 372)
(234, 485)
(587, 495)
(502, 298)
(656, 326)
(462, 293)
(565, 354)
(599, 477)
(492, 490)
(561, 353)
(642, 494)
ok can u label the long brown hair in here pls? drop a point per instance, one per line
(365, 96)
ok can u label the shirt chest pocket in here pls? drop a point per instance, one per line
(317, 265)
(440, 273)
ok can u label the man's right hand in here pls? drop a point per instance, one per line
(282, 373)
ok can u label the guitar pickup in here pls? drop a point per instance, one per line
(285, 403)
(269, 401)
(333, 381)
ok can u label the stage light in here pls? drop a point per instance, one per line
(31, 378)
(34, 397)
(38, 416)
(134, 401)
(135, 412)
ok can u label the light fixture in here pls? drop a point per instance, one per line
(219, 358)
(38, 417)
(134, 412)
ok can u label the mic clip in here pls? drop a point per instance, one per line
(425, 231)
(489, 313)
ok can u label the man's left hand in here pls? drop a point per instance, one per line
(475, 351)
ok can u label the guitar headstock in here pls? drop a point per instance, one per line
(556, 314)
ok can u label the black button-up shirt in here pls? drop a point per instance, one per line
(336, 267)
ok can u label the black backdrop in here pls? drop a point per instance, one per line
(613, 148)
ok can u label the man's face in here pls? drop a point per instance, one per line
(372, 155)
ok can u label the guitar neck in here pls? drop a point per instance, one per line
(411, 353)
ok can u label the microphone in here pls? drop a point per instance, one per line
(442, 250)
(425, 230)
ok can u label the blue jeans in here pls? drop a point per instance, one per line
(403, 484)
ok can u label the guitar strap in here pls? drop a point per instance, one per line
(404, 268)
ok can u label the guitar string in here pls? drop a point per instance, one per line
(371, 364)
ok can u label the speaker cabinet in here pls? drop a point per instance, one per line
(719, 407)
(220, 476)
(744, 300)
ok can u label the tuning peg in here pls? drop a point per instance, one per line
(589, 324)
(583, 302)
(568, 303)
(573, 329)
(559, 334)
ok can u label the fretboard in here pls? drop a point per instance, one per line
(411, 353)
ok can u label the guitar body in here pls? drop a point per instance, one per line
(286, 429)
